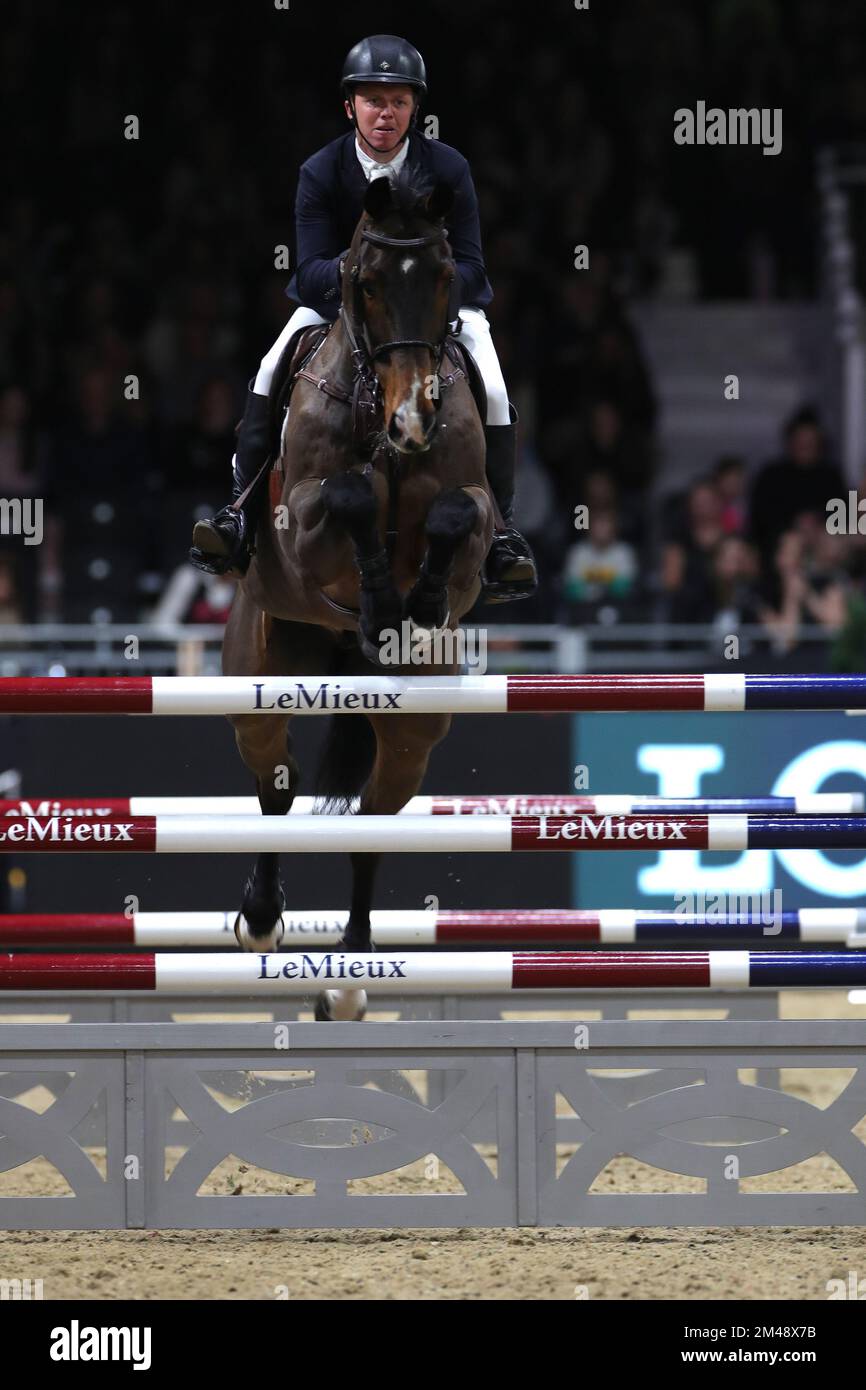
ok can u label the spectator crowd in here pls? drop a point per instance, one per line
(138, 287)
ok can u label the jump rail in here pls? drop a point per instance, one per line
(426, 834)
(510, 804)
(492, 972)
(450, 927)
(551, 694)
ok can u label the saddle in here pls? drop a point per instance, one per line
(365, 398)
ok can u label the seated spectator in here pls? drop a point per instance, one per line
(598, 492)
(801, 481)
(848, 652)
(600, 567)
(809, 584)
(723, 589)
(695, 531)
(730, 480)
(734, 596)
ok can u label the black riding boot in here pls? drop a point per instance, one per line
(225, 542)
(509, 570)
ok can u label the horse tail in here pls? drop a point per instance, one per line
(346, 761)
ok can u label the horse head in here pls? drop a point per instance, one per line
(396, 295)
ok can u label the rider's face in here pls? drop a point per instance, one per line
(383, 112)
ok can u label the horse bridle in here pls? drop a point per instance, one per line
(363, 353)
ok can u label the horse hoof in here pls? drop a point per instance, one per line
(270, 941)
(341, 1006)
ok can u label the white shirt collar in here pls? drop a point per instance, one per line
(372, 167)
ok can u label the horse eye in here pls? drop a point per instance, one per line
(367, 289)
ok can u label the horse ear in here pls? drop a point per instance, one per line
(440, 202)
(378, 198)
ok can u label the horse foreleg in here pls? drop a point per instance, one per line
(453, 519)
(349, 500)
(265, 747)
(403, 747)
(350, 1005)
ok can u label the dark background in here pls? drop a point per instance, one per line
(155, 256)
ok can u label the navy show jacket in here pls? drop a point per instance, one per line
(331, 190)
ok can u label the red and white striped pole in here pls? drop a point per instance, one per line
(491, 972)
(424, 834)
(511, 927)
(534, 694)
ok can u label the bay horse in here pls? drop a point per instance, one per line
(368, 529)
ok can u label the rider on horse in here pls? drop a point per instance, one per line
(383, 84)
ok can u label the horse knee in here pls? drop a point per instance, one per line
(452, 517)
(349, 499)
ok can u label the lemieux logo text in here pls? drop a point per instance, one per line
(327, 697)
(47, 808)
(331, 966)
(611, 828)
(62, 829)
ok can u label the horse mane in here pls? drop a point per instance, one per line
(408, 192)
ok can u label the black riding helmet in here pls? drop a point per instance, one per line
(384, 58)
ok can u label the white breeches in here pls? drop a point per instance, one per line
(474, 332)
